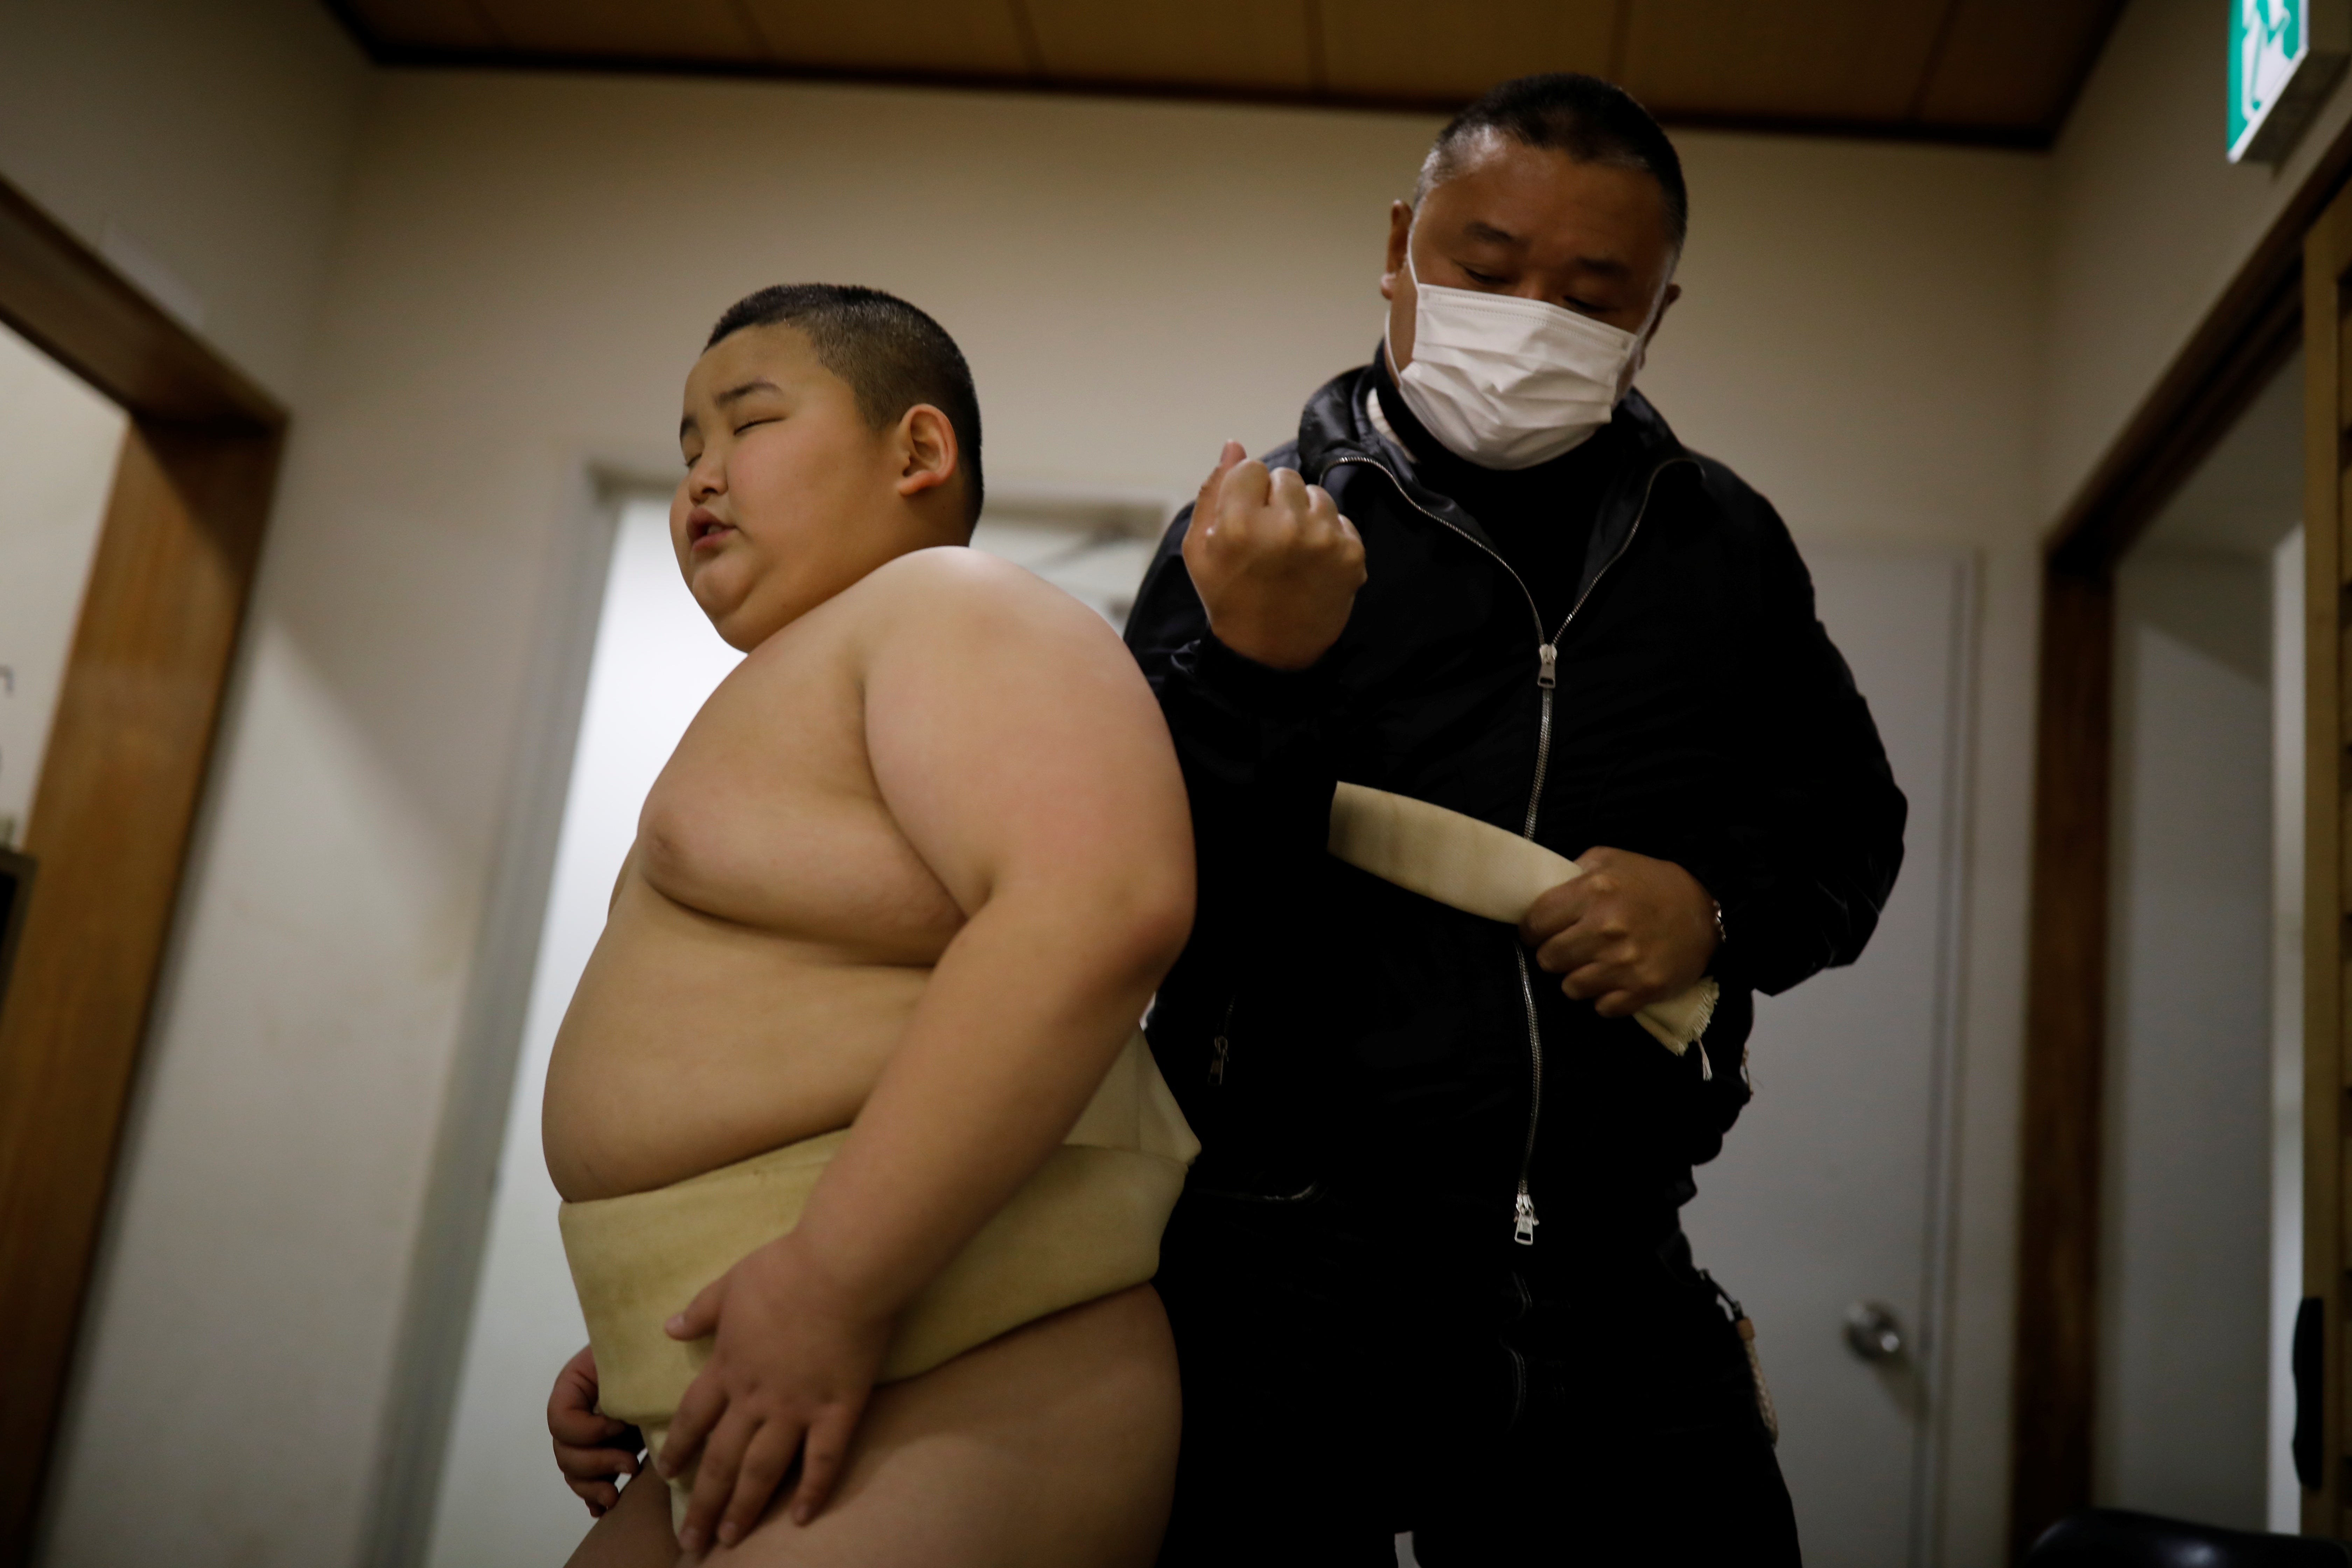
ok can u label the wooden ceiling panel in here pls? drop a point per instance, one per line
(1967, 70)
(1228, 45)
(672, 31)
(1411, 49)
(1823, 60)
(971, 39)
(1982, 78)
(428, 24)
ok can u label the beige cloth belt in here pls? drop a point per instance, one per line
(1481, 869)
(1086, 1226)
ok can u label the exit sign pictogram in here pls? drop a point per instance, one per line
(2284, 57)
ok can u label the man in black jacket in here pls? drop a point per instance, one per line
(1428, 1274)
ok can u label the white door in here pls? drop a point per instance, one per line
(1827, 1195)
(656, 661)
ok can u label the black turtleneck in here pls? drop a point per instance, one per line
(1540, 518)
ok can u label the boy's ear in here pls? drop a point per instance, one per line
(927, 450)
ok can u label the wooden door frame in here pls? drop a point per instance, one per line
(117, 797)
(2248, 335)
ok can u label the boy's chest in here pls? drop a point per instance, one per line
(768, 814)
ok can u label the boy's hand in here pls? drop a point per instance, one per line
(1274, 563)
(796, 1359)
(592, 1451)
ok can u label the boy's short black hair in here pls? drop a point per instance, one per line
(892, 355)
(1582, 116)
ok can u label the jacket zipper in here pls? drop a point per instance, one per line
(1523, 1203)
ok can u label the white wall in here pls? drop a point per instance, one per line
(525, 268)
(1856, 323)
(656, 660)
(2182, 1421)
(2147, 223)
(2287, 721)
(58, 446)
(204, 146)
(2200, 1269)
(204, 149)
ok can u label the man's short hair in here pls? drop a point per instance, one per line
(892, 355)
(1582, 116)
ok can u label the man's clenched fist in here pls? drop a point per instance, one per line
(1275, 565)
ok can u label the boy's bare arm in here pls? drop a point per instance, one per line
(1019, 750)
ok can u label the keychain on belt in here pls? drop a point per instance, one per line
(1747, 1330)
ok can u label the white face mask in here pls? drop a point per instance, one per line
(1506, 383)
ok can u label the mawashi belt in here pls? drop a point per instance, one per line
(1085, 1226)
(1480, 870)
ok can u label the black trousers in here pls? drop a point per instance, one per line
(1353, 1370)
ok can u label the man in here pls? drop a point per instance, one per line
(1428, 1273)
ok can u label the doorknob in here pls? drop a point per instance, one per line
(1872, 1331)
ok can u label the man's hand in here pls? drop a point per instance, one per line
(1275, 565)
(795, 1359)
(593, 1451)
(1630, 931)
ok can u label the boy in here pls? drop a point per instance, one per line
(894, 908)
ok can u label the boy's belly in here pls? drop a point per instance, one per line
(690, 1045)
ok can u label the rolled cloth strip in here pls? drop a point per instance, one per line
(1480, 870)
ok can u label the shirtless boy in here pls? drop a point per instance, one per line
(914, 871)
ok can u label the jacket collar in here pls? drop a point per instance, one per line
(1336, 427)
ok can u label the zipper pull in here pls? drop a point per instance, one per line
(1523, 1218)
(1217, 1065)
(1548, 667)
(1706, 1067)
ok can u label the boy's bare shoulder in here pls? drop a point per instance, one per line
(952, 582)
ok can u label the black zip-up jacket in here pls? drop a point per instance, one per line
(1326, 1029)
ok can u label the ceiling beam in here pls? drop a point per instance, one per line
(402, 56)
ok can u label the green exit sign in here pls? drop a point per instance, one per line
(2284, 57)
